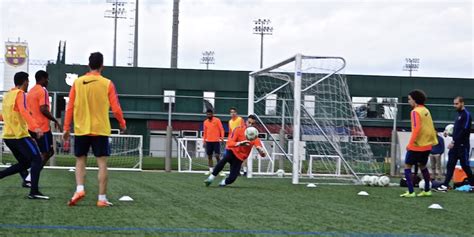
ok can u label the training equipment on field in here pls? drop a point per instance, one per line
(280, 173)
(304, 106)
(251, 133)
(421, 184)
(435, 206)
(365, 180)
(384, 181)
(311, 185)
(363, 193)
(373, 181)
(449, 129)
(125, 154)
(126, 199)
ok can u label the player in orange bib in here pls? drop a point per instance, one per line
(90, 100)
(38, 104)
(238, 150)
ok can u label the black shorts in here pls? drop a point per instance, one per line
(213, 148)
(100, 145)
(45, 143)
(417, 157)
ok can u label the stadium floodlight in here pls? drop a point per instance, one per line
(207, 58)
(117, 11)
(262, 27)
(411, 64)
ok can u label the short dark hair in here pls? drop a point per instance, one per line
(40, 75)
(252, 116)
(460, 98)
(209, 111)
(418, 96)
(20, 78)
(233, 108)
(96, 60)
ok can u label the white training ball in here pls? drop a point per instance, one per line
(449, 129)
(365, 180)
(374, 180)
(251, 133)
(280, 173)
(384, 181)
(421, 184)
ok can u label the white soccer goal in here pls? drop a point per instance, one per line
(126, 153)
(306, 100)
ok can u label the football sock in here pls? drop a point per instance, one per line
(79, 188)
(409, 180)
(103, 197)
(426, 177)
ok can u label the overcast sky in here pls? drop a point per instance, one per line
(373, 36)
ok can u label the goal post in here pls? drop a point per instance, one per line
(320, 118)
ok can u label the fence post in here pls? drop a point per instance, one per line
(169, 138)
(393, 144)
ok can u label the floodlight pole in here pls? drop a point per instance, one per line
(115, 13)
(262, 27)
(411, 64)
(207, 58)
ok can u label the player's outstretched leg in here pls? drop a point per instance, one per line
(217, 169)
(235, 165)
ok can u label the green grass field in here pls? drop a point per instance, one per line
(172, 204)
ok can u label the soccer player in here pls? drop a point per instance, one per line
(17, 119)
(459, 148)
(435, 157)
(38, 104)
(423, 137)
(90, 99)
(234, 122)
(238, 150)
(213, 135)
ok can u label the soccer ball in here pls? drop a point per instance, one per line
(365, 180)
(373, 181)
(449, 129)
(421, 184)
(384, 181)
(280, 173)
(251, 133)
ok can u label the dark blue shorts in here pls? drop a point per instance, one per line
(417, 157)
(23, 148)
(100, 145)
(213, 148)
(45, 143)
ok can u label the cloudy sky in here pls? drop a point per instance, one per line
(375, 36)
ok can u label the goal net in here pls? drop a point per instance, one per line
(304, 105)
(125, 153)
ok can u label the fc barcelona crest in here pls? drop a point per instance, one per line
(15, 55)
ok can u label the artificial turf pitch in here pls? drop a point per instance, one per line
(172, 204)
